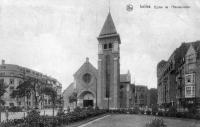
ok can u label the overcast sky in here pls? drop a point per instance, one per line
(55, 36)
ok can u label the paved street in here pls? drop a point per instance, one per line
(140, 121)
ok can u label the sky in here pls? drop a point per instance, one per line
(55, 36)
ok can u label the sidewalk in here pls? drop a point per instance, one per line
(80, 123)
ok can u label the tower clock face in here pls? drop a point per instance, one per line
(87, 78)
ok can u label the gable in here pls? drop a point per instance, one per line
(190, 51)
(87, 67)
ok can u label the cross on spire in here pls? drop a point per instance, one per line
(109, 6)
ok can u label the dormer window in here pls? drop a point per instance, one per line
(190, 58)
(189, 78)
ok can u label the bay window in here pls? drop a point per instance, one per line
(189, 91)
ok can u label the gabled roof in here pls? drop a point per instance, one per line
(182, 50)
(69, 89)
(87, 66)
(196, 45)
(190, 50)
(161, 64)
(108, 27)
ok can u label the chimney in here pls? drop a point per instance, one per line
(2, 62)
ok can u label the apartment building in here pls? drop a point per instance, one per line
(141, 92)
(178, 78)
(13, 75)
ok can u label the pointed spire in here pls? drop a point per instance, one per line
(108, 27)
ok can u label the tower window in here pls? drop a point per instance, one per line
(110, 45)
(107, 76)
(105, 46)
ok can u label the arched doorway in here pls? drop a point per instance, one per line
(87, 98)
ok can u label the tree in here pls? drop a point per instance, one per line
(60, 102)
(21, 91)
(49, 91)
(26, 88)
(2, 92)
(35, 87)
(73, 98)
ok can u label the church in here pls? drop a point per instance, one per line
(103, 87)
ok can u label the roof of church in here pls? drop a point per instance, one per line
(141, 86)
(124, 78)
(69, 89)
(108, 27)
(87, 66)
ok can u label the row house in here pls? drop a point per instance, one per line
(178, 78)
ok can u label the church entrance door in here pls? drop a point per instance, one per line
(88, 100)
(87, 103)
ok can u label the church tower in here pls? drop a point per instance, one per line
(108, 66)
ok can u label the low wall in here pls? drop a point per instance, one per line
(19, 115)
